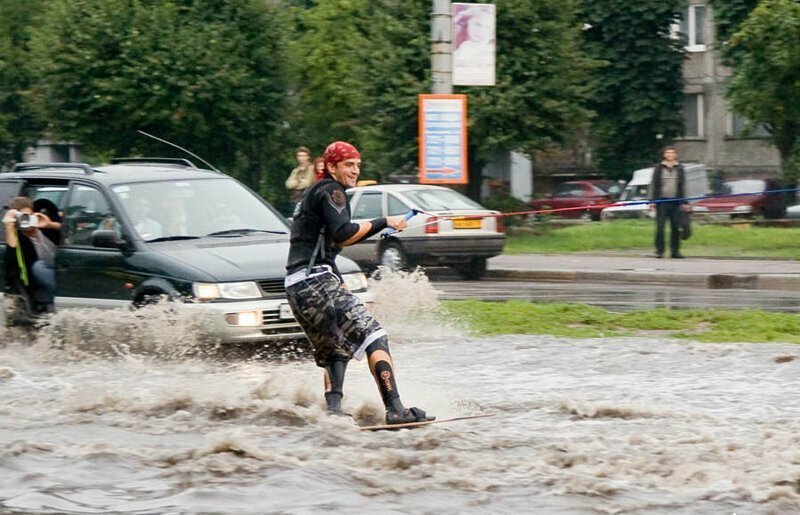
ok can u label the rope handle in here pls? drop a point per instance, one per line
(408, 217)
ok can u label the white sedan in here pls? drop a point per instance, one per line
(450, 230)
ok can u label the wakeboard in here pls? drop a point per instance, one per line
(412, 425)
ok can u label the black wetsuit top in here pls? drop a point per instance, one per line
(323, 205)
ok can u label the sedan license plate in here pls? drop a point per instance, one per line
(285, 312)
(467, 223)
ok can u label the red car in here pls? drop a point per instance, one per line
(575, 194)
(747, 200)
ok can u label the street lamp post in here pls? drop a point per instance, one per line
(441, 48)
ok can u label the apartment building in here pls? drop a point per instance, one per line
(713, 134)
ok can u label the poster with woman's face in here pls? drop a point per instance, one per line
(473, 44)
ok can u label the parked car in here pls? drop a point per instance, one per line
(749, 200)
(465, 236)
(793, 211)
(591, 194)
(141, 230)
(639, 187)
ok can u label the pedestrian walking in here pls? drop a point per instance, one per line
(336, 321)
(669, 192)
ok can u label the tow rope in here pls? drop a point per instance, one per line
(592, 207)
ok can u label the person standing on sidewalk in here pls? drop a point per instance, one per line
(335, 321)
(669, 189)
(302, 175)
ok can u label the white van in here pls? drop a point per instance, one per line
(637, 192)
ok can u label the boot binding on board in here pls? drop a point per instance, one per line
(407, 415)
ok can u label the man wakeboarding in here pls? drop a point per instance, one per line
(336, 322)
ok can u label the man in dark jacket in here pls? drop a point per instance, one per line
(669, 190)
(335, 321)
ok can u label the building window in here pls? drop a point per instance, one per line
(738, 128)
(693, 115)
(692, 28)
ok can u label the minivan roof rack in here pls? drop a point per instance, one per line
(153, 160)
(67, 167)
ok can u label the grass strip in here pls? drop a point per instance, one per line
(581, 321)
(741, 240)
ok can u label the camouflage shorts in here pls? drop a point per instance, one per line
(335, 321)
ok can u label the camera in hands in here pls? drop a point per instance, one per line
(26, 221)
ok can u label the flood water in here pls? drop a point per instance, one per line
(124, 413)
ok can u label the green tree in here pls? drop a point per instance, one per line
(728, 16)
(329, 66)
(638, 93)
(362, 65)
(359, 68)
(202, 73)
(539, 98)
(18, 123)
(765, 86)
(399, 71)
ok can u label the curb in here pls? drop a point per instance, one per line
(706, 281)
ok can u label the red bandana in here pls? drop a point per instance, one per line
(338, 151)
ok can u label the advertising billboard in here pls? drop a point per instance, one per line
(473, 44)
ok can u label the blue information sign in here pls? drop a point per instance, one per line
(443, 139)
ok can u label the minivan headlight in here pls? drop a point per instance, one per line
(355, 282)
(211, 291)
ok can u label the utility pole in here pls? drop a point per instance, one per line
(442, 48)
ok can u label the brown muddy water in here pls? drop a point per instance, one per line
(120, 412)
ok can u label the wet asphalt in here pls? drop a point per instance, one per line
(628, 282)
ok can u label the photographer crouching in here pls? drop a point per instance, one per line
(30, 255)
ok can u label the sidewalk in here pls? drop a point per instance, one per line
(715, 273)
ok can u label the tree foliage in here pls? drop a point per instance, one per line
(364, 63)
(728, 16)
(205, 74)
(541, 77)
(331, 58)
(359, 65)
(18, 123)
(638, 93)
(243, 82)
(399, 71)
(765, 86)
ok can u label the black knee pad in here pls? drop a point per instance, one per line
(381, 343)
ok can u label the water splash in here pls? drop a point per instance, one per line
(161, 330)
(408, 306)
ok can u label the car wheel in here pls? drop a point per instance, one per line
(393, 257)
(150, 298)
(473, 270)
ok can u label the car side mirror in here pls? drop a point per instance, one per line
(106, 239)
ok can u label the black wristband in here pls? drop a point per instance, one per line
(378, 224)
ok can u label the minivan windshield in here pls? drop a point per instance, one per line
(195, 208)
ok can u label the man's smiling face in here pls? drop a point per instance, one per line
(346, 172)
